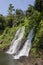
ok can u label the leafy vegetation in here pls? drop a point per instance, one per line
(31, 18)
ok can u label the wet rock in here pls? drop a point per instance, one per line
(39, 61)
(30, 61)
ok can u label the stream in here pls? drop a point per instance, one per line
(6, 59)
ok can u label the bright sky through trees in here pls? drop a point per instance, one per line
(21, 4)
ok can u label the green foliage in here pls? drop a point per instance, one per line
(39, 5)
(38, 41)
(32, 18)
(7, 36)
(2, 23)
(11, 10)
(19, 12)
(10, 21)
(30, 10)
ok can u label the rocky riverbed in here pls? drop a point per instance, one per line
(30, 61)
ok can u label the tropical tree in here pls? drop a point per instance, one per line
(39, 5)
(2, 23)
(10, 16)
(11, 9)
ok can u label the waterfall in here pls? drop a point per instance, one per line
(16, 42)
(26, 48)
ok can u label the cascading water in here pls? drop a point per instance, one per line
(16, 43)
(26, 48)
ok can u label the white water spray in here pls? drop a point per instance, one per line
(16, 43)
(26, 48)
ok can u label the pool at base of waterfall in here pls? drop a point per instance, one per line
(6, 59)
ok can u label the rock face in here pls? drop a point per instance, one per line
(30, 61)
(39, 61)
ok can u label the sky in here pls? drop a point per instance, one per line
(20, 4)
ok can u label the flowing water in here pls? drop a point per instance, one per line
(16, 43)
(7, 59)
(26, 48)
